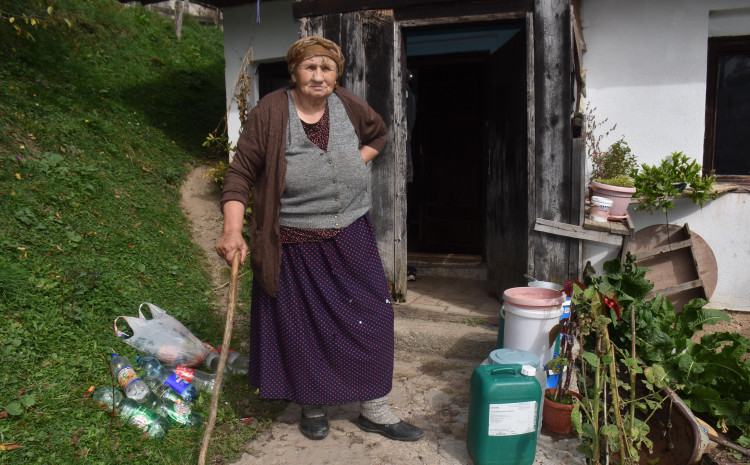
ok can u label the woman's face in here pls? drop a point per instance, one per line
(315, 77)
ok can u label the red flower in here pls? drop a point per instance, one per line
(614, 305)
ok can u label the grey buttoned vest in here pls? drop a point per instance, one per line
(324, 189)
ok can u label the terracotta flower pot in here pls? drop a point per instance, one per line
(620, 197)
(556, 417)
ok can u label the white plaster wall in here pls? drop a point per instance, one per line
(270, 39)
(646, 72)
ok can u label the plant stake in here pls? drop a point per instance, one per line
(222, 358)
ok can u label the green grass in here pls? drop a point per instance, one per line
(99, 123)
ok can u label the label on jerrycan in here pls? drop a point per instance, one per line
(511, 419)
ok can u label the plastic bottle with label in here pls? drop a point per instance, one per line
(200, 379)
(128, 380)
(152, 367)
(136, 414)
(177, 414)
(164, 391)
(143, 417)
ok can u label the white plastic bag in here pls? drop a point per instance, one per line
(163, 337)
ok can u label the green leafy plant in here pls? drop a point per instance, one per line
(658, 185)
(614, 165)
(610, 376)
(713, 374)
(632, 348)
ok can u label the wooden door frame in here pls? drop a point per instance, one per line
(527, 17)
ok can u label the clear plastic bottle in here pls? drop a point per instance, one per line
(164, 391)
(152, 367)
(133, 386)
(177, 414)
(212, 359)
(200, 379)
(143, 417)
(237, 363)
(108, 396)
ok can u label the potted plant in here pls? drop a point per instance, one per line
(658, 185)
(611, 168)
(559, 400)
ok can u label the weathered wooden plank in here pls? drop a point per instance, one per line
(530, 141)
(612, 227)
(465, 10)
(663, 249)
(671, 290)
(577, 193)
(575, 232)
(306, 8)
(551, 177)
(399, 141)
(437, 20)
(376, 48)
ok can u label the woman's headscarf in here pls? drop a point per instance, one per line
(311, 47)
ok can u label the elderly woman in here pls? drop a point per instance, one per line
(321, 318)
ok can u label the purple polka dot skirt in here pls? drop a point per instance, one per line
(327, 337)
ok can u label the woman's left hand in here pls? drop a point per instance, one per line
(368, 153)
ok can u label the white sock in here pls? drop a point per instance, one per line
(378, 411)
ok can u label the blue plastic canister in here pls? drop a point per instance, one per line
(503, 415)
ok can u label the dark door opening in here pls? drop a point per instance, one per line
(446, 194)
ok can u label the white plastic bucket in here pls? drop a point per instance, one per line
(530, 314)
(600, 207)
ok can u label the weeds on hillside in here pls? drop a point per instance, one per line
(98, 125)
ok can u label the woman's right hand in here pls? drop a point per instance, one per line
(231, 240)
(231, 243)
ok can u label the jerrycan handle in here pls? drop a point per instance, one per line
(503, 370)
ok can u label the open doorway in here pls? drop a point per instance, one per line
(450, 103)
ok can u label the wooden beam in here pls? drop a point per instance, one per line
(663, 249)
(306, 8)
(695, 284)
(576, 232)
(551, 178)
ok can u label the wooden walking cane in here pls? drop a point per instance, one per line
(222, 358)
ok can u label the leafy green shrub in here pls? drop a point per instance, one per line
(712, 375)
(218, 173)
(658, 185)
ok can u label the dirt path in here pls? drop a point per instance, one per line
(200, 202)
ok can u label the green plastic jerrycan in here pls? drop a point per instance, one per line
(503, 415)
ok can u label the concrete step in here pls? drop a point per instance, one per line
(448, 265)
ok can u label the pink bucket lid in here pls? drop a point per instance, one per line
(533, 298)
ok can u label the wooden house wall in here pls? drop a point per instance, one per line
(373, 72)
(538, 173)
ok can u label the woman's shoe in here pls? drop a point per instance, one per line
(401, 431)
(314, 428)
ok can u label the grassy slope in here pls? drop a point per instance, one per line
(98, 125)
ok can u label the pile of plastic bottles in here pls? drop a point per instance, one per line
(163, 397)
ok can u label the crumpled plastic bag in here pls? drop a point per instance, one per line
(163, 337)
